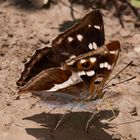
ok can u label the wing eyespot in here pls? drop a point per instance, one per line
(85, 65)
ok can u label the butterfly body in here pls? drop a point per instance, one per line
(78, 63)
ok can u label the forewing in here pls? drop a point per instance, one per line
(75, 41)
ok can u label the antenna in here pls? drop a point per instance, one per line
(120, 82)
(119, 73)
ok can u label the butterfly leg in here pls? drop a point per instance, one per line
(62, 117)
(89, 121)
(59, 121)
(113, 111)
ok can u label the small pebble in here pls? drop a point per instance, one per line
(44, 40)
(137, 49)
(135, 38)
(24, 60)
(6, 121)
(125, 33)
(131, 137)
(8, 103)
(133, 110)
(137, 24)
(16, 97)
(2, 54)
(38, 3)
(116, 137)
(128, 106)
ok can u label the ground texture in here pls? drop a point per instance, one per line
(21, 32)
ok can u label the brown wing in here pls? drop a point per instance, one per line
(82, 77)
(73, 41)
(95, 67)
(51, 80)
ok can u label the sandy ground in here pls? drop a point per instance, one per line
(21, 32)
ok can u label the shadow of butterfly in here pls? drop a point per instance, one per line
(77, 65)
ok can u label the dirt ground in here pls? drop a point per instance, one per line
(22, 30)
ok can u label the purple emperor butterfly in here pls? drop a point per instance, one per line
(77, 64)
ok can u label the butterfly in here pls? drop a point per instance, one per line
(78, 64)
